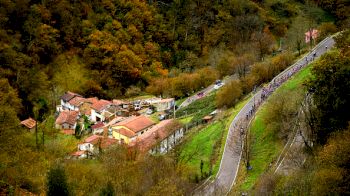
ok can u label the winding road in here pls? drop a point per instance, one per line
(229, 165)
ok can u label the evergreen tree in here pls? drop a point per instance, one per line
(57, 182)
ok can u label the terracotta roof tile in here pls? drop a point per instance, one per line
(91, 100)
(125, 132)
(97, 125)
(153, 136)
(69, 117)
(115, 120)
(29, 123)
(78, 153)
(77, 101)
(100, 105)
(92, 139)
(136, 123)
(69, 95)
(105, 141)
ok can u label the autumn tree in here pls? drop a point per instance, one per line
(229, 94)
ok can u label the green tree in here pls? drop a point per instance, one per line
(57, 182)
(331, 88)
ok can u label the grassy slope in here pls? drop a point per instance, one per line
(203, 143)
(264, 148)
(232, 112)
(207, 137)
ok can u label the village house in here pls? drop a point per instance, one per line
(65, 105)
(164, 104)
(130, 128)
(103, 110)
(85, 107)
(67, 120)
(97, 128)
(82, 154)
(160, 138)
(76, 102)
(29, 123)
(95, 143)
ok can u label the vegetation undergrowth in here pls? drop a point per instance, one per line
(199, 108)
(201, 148)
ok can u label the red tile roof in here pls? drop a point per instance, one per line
(91, 100)
(115, 120)
(126, 132)
(29, 123)
(69, 95)
(77, 101)
(100, 105)
(92, 139)
(136, 123)
(78, 153)
(156, 134)
(105, 141)
(97, 125)
(69, 117)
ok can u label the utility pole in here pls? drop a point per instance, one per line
(43, 138)
(36, 134)
(174, 110)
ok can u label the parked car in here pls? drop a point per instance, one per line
(218, 84)
(161, 116)
(149, 111)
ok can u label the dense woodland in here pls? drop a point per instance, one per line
(112, 49)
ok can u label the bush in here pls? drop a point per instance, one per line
(57, 182)
(229, 94)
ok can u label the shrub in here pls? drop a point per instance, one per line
(229, 94)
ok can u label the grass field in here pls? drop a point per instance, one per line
(201, 146)
(264, 146)
(209, 142)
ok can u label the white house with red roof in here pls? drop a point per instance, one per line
(160, 138)
(67, 104)
(94, 142)
(130, 128)
(101, 110)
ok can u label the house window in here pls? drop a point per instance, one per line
(141, 132)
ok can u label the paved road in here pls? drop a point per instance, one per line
(232, 154)
(205, 92)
